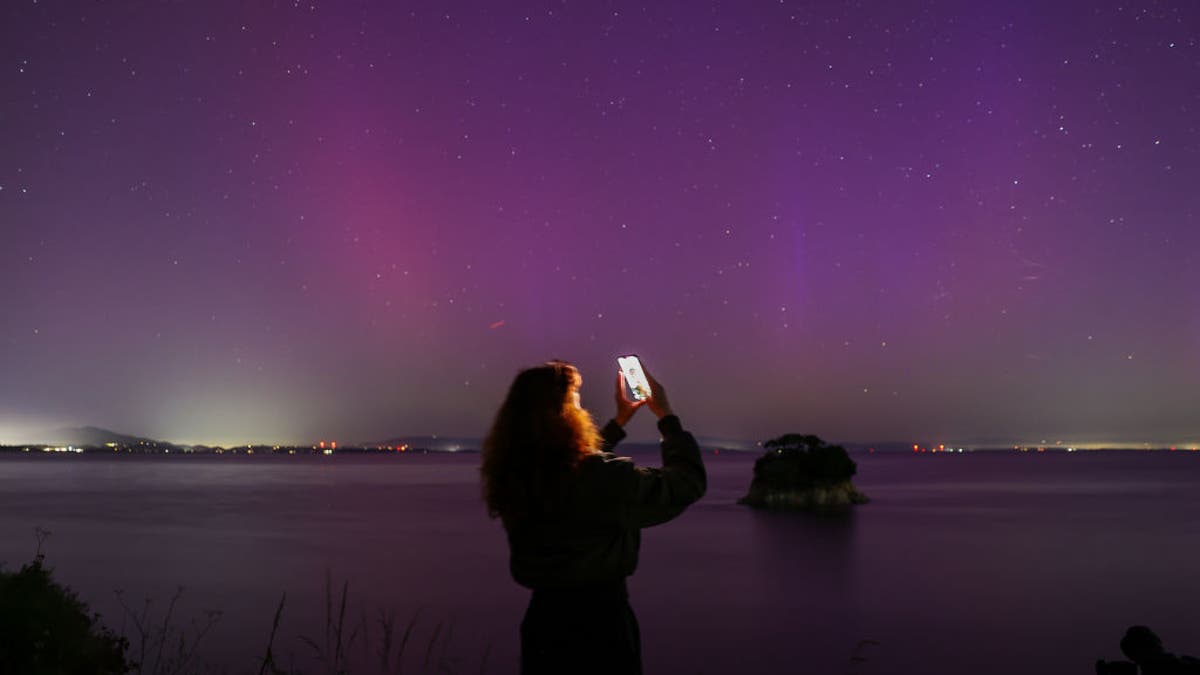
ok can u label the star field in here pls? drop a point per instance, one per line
(232, 222)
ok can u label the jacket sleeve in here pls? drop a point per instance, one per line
(652, 496)
(612, 433)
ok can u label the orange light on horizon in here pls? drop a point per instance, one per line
(322, 445)
(333, 444)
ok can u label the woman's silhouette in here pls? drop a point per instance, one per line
(574, 512)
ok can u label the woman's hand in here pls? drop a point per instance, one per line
(658, 397)
(625, 407)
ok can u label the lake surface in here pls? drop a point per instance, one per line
(979, 563)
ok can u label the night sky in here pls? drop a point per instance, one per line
(917, 221)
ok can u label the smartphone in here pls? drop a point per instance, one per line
(635, 377)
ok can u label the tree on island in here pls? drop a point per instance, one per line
(802, 472)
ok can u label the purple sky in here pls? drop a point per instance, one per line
(927, 221)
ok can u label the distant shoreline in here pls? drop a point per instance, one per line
(270, 450)
(635, 448)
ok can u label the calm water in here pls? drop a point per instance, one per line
(962, 563)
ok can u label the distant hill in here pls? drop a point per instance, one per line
(95, 436)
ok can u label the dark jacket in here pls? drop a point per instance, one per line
(593, 538)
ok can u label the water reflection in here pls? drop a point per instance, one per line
(790, 545)
(806, 571)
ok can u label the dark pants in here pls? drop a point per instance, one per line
(581, 632)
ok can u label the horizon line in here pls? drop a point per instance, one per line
(722, 443)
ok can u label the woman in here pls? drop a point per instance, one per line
(574, 511)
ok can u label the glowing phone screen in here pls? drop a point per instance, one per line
(635, 378)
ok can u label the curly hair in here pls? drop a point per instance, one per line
(536, 442)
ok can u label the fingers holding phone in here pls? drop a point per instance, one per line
(658, 402)
(625, 407)
(634, 377)
(642, 386)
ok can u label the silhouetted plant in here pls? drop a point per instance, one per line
(269, 667)
(345, 646)
(163, 647)
(45, 629)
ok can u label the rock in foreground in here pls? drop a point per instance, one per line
(803, 473)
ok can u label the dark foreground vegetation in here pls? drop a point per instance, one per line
(45, 629)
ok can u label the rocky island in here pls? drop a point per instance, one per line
(803, 473)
